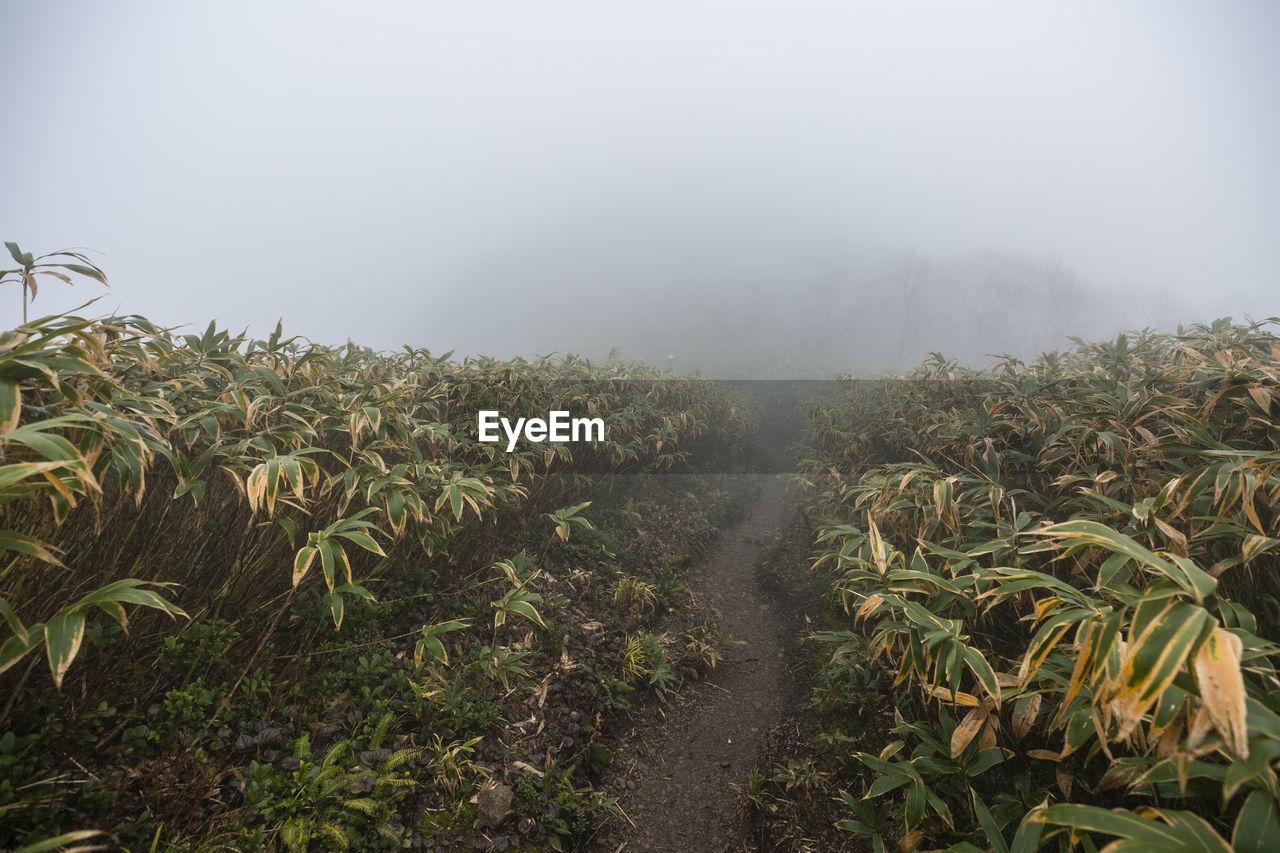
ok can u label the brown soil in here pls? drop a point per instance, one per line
(677, 770)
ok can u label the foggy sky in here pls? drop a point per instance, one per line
(573, 176)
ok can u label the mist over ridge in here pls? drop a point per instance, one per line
(744, 292)
(751, 189)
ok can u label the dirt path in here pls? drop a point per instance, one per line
(677, 778)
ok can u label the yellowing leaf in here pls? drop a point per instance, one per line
(987, 739)
(972, 723)
(879, 551)
(1261, 396)
(967, 700)
(1201, 725)
(255, 486)
(1152, 662)
(1221, 683)
(1065, 779)
(868, 607)
(1255, 544)
(1176, 538)
(910, 841)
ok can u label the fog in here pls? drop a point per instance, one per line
(750, 189)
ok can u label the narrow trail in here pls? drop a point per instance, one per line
(677, 778)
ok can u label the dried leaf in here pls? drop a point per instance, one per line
(973, 722)
(1221, 683)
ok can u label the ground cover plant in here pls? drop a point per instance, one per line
(269, 594)
(1062, 575)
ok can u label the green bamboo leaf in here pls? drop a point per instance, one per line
(356, 590)
(989, 828)
(89, 272)
(364, 540)
(1118, 822)
(985, 760)
(302, 562)
(10, 405)
(1181, 571)
(1258, 824)
(880, 765)
(926, 618)
(1027, 839)
(116, 611)
(292, 470)
(129, 591)
(528, 611)
(62, 637)
(327, 561)
(15, 648)
(1194, 832)
(884, 784)
(982, 670)
(11, 618)
(430, 646)
(915, 804)
(53, 447)
(939, 806)
(1163, 650)
(19, 471)
(455, 501)
(1255, 544)
(12, 541)
(337, 608)
(1255, 770)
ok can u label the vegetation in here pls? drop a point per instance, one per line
(30, 266)
(1065, 574)
(332, 615)
(268, 594)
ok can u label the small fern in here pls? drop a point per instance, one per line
(337, 833)
(318, 803)
(380, 730)
(398, 759)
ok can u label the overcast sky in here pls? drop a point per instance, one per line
(355, 167)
